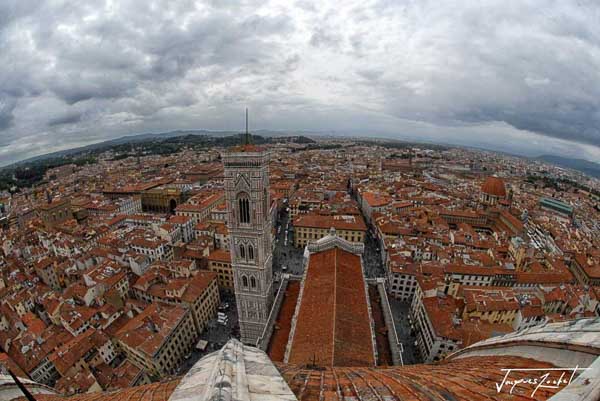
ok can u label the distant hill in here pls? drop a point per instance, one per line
(585, 166)
(32, 171)
(296, 136)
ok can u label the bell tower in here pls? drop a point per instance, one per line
(249, 222)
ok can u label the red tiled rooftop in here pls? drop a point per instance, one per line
(283, 324)
(137, 333)
(350, 222)
(384, 353)
(149, 392)
(333, 327)
(220, 255)
(467, 379)
(376, 200)
(251, 148)
(494, 186)
(587, 265)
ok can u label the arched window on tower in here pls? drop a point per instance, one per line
(245, 281)
(243, 208)
(250, 252)
(242, 251)
(252, 282)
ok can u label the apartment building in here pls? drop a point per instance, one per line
(158, 339)
(312, 227)
(219, 261)
(198, 293)
(154, 248)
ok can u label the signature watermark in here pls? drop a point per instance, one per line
(537, 378)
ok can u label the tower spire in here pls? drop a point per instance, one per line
(247, 136)
(246, 182)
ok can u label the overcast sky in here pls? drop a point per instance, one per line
(517, 76)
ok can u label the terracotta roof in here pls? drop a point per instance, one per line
(591, 270)
(333, 326)
(198, 284)
(384, 353)
(375, 199)
(148, 392)
(494, 186)
(468, 379)
(68, 354)
(30, 360)
(248, 148)
(179, 219)
(283, 323)
(33, 323)
(486, 299)
(147, 331)
(443, 315)
(348, 222)
(122, 376)
(220, 255)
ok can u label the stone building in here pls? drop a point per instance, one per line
(162, 199)
(249, 223)
(55, 211)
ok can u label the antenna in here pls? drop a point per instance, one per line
(247, 136)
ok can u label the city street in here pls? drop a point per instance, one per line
(372, 258)
(400, 310)
(286, 255)
(215, 333)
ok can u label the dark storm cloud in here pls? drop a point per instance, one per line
(69, 118)
(88, 70)
(78, 87)
(7, 105)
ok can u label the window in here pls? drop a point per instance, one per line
(245, 281)
(252, 282)
(242, 251)
(250, 252)
(243, 208)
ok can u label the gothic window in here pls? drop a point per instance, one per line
(252, 282)
(245, 281)
(243, 208)
(242, 251)
(250, 252)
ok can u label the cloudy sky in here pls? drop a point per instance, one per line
(517, 76)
